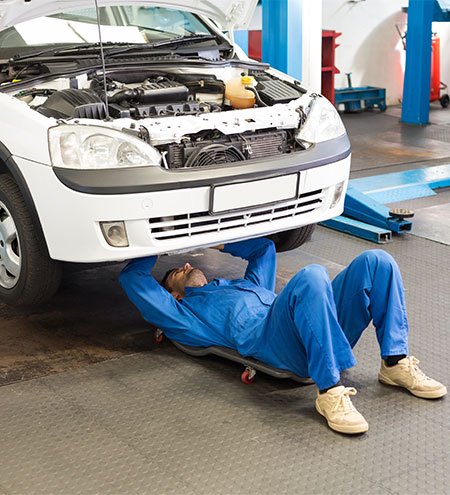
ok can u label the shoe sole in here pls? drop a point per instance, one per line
(348, 429)
(431, 394)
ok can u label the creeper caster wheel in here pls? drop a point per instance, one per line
(248, 375)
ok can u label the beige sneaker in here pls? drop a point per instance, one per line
(336, 406)
(407, 374)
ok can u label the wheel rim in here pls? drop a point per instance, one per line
(10, 260)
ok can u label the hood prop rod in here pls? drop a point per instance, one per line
(102, 54)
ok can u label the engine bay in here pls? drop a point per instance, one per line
(147, 102)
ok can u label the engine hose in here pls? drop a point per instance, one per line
(124, 94)
(257, 97)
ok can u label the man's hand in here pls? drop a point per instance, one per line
(219, 247)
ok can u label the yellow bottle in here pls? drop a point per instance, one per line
(236, 93)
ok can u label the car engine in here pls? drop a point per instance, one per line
(157, 96)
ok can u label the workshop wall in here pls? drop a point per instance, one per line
(370, 46)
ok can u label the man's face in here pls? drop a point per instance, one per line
(185, 276)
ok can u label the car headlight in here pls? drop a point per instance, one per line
(322, 123)
(90, 147)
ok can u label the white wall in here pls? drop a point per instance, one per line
(256, 22)
(312, 44)
(443, 31)
(371, 48)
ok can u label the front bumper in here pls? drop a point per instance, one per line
(174, 216)
(153, 179)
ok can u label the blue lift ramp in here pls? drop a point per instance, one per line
(362, 207)
(367, 217)
(400, 186)
(359, 229)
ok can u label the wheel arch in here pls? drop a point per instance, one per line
(9, 166)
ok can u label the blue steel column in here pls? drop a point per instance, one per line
(416, 87)
(282, 35)
(241, 38)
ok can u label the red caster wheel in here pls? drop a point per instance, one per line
(158, 335)
(248, 375)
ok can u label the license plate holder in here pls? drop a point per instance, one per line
(239, 196)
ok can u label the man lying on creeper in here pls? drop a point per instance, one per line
(309, 328)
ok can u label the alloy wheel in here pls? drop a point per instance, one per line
(10, 261)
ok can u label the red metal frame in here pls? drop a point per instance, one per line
(255, 45)
(329, 68)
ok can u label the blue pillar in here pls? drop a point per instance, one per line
(282, 35)
(241, 38)
(416, 87)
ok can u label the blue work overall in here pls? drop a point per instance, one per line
(310, 328)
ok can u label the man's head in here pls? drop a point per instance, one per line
(176, 279)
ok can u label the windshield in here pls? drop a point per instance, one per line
(119, 24)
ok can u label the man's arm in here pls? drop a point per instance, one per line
(153, 301)
(262, 260)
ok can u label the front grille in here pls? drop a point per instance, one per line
(196, 224)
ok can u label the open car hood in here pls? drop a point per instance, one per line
(230, 14)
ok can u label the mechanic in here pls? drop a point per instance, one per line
(310, 328)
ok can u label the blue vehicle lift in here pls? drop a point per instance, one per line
(416, 87)
(282, 35)
(241, 38)
(359, 229)
(365, 214)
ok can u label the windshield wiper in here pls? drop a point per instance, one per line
(90, 47)
(119, 47)
(187, 39)
(84, 48)
(26, 56)
(182, 40)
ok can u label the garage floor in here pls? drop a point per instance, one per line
(91, 405)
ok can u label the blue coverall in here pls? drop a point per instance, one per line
(310, 328)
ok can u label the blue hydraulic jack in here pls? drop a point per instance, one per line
(352, 97)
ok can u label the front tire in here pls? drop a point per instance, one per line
(292, 239)
(27, 275)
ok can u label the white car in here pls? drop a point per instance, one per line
(163, 138)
